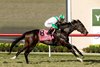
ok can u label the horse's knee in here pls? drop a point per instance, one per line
(69, 46)
(75, 47)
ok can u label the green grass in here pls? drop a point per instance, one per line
(42, 60)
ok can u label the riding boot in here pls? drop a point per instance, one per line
(50, 31)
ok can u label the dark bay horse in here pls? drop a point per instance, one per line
(32, 38)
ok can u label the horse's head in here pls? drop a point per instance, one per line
(79, 26)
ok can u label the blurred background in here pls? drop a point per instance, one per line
(18, 16)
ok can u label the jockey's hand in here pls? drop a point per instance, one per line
(54, 26)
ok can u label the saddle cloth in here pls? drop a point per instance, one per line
(43, 36)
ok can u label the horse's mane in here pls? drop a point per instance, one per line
(66, 23)
(69, 23)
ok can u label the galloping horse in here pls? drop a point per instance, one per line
(32, 38)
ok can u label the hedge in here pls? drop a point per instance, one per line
(94, 48)
(4, 47)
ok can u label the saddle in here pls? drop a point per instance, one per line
(43, 36)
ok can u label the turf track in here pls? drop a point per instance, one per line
(42, 60)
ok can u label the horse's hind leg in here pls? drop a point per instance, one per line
(26, 55)
(19, 52)
(27, 51)
(33, 40)
(25, 46)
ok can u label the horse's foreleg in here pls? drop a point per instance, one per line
(78, 50)
(70, 47)
(73, 51)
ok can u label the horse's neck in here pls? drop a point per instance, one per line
(70, 29)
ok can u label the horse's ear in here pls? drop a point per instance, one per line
(78, 20)
(74, 21)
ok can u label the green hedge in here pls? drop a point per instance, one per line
(4, 47)
(95, 48)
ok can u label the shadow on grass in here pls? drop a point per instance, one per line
(5, 62)
(49, 61)
(87, 62)
(91, 61)
(19, 62)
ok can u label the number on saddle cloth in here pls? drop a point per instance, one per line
(44, 36)
(42, 32)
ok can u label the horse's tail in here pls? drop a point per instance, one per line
(20, 38)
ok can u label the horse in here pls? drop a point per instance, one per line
(32, 38)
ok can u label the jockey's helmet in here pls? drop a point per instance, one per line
(61, 16)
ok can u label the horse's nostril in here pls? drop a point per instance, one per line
(87, 32)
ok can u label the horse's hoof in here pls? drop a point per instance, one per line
(82, 57)
(13, 57)
(79, 59)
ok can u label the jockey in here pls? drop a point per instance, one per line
(52, 22)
